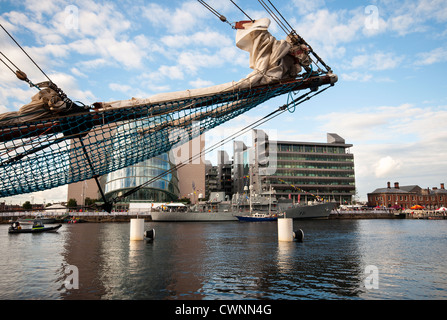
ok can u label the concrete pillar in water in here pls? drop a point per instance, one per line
(136, 229)
(285, 229)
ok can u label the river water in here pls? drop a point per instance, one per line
(338, 259)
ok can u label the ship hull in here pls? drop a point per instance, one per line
(315, 211)
(193, 216)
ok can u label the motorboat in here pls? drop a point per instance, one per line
(38, 227)
(258, 217)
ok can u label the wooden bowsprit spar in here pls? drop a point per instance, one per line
(54, 141)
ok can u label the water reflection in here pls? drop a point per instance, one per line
(82, 249)
(213, 261)
(228, 261)
(285, 256)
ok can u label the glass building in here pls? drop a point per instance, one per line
(117, 183)
(300, 170)
(164, 189)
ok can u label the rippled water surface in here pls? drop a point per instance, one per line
(230, 260)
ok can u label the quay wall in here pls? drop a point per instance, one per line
(6, 217)
(363, 215)
(387, 214)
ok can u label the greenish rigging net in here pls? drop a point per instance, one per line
(42, 154)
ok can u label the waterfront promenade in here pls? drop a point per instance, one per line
(90, 216)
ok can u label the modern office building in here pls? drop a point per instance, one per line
(299, 171)
(296, 170)
(219, 178)
(211, 179)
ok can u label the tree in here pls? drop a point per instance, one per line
(72, 203)
(27, 205)
(88, 201)
(185, 200)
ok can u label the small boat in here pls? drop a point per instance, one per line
(258, 217)
(37, 227)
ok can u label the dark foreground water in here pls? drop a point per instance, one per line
(339, 259)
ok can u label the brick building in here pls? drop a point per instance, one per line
(408, 196)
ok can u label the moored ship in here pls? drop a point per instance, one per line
(214, 211)
(317, 210)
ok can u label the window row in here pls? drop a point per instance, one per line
(309, 182)
(304, 165)
(308, 157)
(312, 149)
(320, 174)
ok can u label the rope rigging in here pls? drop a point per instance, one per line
(54, 98)
(213, 11)
(25, 52)
(66, 142)
(295, 102)
(241, 10)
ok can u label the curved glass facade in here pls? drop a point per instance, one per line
(162, 190)
(119, 182)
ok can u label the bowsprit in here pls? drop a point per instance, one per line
(53, 141)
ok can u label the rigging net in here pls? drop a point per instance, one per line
(53, 143)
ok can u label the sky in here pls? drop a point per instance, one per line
(390, 56)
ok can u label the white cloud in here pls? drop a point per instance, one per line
(128, 90)
(376, 61)
(356, 76)
(328, 31)
(53, 195)
(406, 17)
(434, 56)
(305, 6)
(359, 124)
(120, 87)
(180, 20)
(200, 83)
(401, 143)
(386, 166)
(127, 53)
(201, 38)
(78, 73)
(170, 72)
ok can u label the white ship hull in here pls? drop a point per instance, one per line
(193, 216)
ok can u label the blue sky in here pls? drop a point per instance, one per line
(390, 56)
